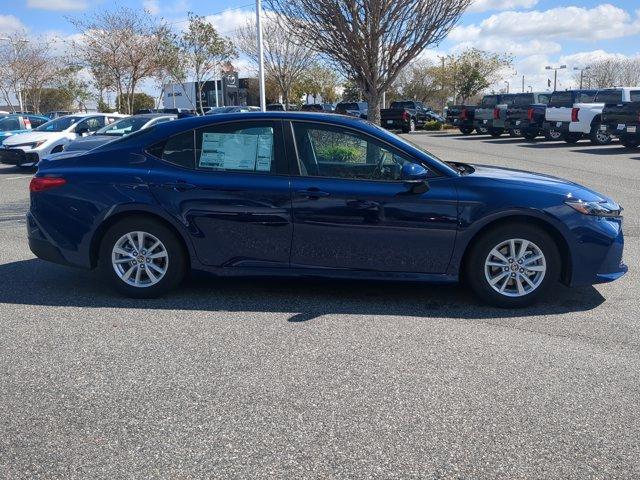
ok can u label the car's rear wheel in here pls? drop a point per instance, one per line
(572, 137)
(598, 137)
(515, 132)
(496, 132)
(553, 135)
(142, 258)
(466, 130)
(512, 265)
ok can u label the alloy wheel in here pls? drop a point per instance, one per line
(515, 267)
(140, 259)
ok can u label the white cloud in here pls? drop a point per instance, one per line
(227, 22)
(152, 6)
(601, 22)
(57, 4)
(485, 5)
(10, 24)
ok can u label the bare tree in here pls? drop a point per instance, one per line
(125, 45)
(285, 58)
(611, 72)
(371, 40)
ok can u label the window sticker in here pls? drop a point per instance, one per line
(236, 151)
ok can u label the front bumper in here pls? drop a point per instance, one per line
(18, 157)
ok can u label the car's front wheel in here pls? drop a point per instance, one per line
(512, 265)
(142, 258)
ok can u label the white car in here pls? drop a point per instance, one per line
(26, 149)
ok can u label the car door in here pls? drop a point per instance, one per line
(352, 211)
(229, 185)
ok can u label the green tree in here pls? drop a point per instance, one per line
(141, 101)
(472, 71)
(351, 92)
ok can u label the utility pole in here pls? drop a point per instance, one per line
(522, 83)
(15, 54)
(507, 83)
(263, 101)
(582, 75)
(555, 74)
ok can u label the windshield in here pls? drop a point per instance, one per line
(9, 123)
(508, 99)
(124, 126)
(609, 96)
(59, 124)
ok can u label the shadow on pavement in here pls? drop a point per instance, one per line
(35, 282)
(612, 150)
(14, 171)
(543, 144)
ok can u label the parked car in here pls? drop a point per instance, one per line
(57, 114)
(351, 200)
(275, 107)
(491, 113)
(406, 115)
(318, 107)
(354, 109)
(584, 117)
(14, 124)
(120, 128)
(27, 149)
(463, 116)
(558, 112)
(525, 116)
(623, 121)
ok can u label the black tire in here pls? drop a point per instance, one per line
(571, 137)
(629, 142)
(598, 137)
(474, 269)
(553, 135)
(514, 133)
(496, 132)
(529, 135)
(466, 130)
(176, 256)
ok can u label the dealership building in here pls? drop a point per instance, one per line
(229, 90)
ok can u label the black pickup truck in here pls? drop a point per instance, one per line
(406, 115)
(525, 115)
(462, 116)
(623, 121)
(354, 109)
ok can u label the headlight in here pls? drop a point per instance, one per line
(599, 209)
(37, 144)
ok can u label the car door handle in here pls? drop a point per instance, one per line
(312, 193)
(179, 186)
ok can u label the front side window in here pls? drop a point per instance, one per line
(92, 124)
(326, 151)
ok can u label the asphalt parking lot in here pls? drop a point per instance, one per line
(288, 379)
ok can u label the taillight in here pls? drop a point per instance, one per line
(405, 115)
(464, 114)
(40, 184)
(530, 114)
(496, 114)
(574, 114)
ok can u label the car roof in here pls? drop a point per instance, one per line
(154, 115)
(196, 122)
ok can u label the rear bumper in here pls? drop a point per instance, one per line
(622, 130)
(394, 123)
(43, 248)
(556, 126)
(483, 123)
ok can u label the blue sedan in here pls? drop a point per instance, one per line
(310, 194)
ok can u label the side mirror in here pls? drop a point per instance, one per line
(413, 173)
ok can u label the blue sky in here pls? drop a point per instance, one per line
(536, 32)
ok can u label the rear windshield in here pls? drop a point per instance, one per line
(403, 104)
(348, 106)
(561, 99)
(635, 95)
(508, 99)
(523, 100)
(544, 98)
(609, 96)
(9, 123)
(489, 101)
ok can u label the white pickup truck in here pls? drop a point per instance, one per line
(578, 113)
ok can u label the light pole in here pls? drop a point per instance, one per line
(530, 88)
(263, 101)
(581, 73)
(555, 74)
(15, 54)
(507, 83)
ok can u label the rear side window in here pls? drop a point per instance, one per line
(609, 96)
(586, 97)
(178, 150)
(37, 121)
(635, 95)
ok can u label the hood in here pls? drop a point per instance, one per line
(89, 142)
(538, 181)
(32, 137)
